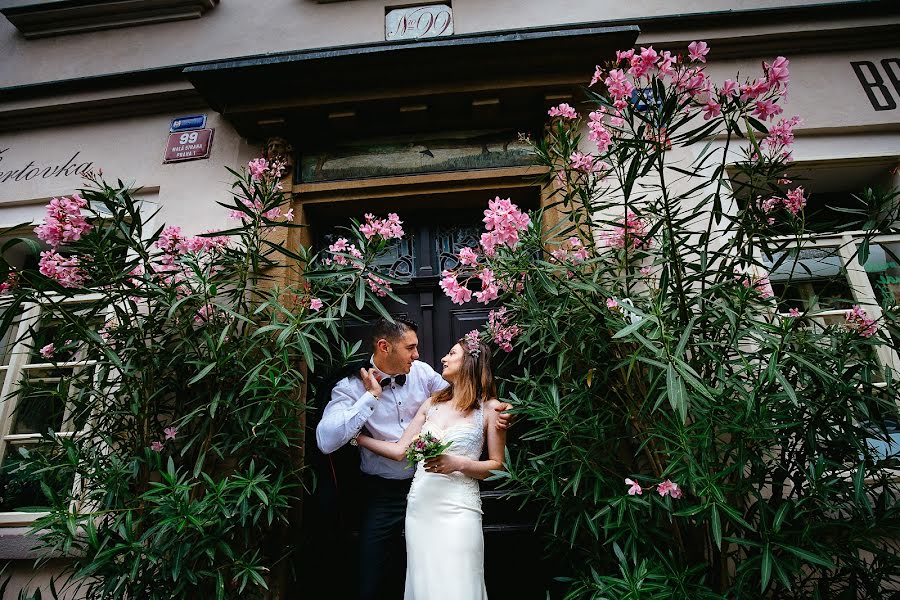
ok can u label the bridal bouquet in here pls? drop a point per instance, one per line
(425, 446)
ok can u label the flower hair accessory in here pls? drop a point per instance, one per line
(473, 341)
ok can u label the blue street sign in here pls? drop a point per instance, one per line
(188, 123)
(643, 98)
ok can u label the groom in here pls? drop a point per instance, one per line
(384, 398)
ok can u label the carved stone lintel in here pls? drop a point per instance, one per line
(278, 148)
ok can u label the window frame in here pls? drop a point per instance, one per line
(20, 356)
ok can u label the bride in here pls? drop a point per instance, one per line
(444, 541)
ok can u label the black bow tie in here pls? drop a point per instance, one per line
(398, 379)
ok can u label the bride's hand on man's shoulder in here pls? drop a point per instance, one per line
(504, 418)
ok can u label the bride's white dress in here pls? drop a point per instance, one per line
(444, 541)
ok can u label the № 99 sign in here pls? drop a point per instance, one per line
(188, 145)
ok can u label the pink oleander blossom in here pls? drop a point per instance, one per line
(795, 201)
(856, 320)
(64, 222)
(618, 84)
(669, 488)
(11, 283)
(156, 446)
(697, 51)
(666, 60)
(778, 73)
(635, 488)
(48, 350)
(612, 304)
(711, 110)
(781, 135)
(794, 313)
(598, 132)
(170, 432)
(752, 91)
(643, 62)
(760, 283)
(503, 221)
(728, 88)
(66, 271)
(500, 330)
(631, 233)
(389, 228)
(458, 293)
(598, 75)
(467, 257)
(625, 55)
(766, 109)
(258, 168)
(316, 304)
(380, 287)
(563, 110)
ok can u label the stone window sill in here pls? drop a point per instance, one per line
(59, 17)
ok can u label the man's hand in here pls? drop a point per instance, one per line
(370, 381)
(504, 419)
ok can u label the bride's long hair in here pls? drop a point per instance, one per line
(475, 382)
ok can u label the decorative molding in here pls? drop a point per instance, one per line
(60, 17)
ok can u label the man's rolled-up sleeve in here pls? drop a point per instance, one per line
(344, 417)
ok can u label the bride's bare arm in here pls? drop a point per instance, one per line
(476, 469)
(396, 450)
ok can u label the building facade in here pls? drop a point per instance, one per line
(384, 106)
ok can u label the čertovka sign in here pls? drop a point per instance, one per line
(16, 169)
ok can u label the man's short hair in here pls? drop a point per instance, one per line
(384, 329)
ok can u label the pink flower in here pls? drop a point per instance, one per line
(48, 351)
(503, 220)
(378, 285)
(795, 201)
(635, 489)
(204, 314)
(618, 84)
(669, 488)
(751, 91)
(156, 446)
(11, 283)
(488, 293)
(467, 256)
(258, 168)
(645, 270)
(500, 330)
(778, 73)
(711, 110)
(458, 294)
(563, 110)
(64, 222)
(611, 304)
(598, 75)
(781, 135)
(697, 51)
(623, 55)
(858, 321)
(66, 271)
(728, 89)
(632, 233)
(793, 313)
(643, 62)
(766, 109)
(760, 283)
(389, 228)
(316, 304)
(170, 432)
(598, 133)
(666, 60)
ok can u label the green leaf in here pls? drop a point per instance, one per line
(360, 293)
(716, 526)
(206, 371)
(766, 568)
(808, 556)
(676, 392)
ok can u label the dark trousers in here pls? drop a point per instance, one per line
(382, 554)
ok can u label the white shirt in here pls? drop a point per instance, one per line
(352, 407)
